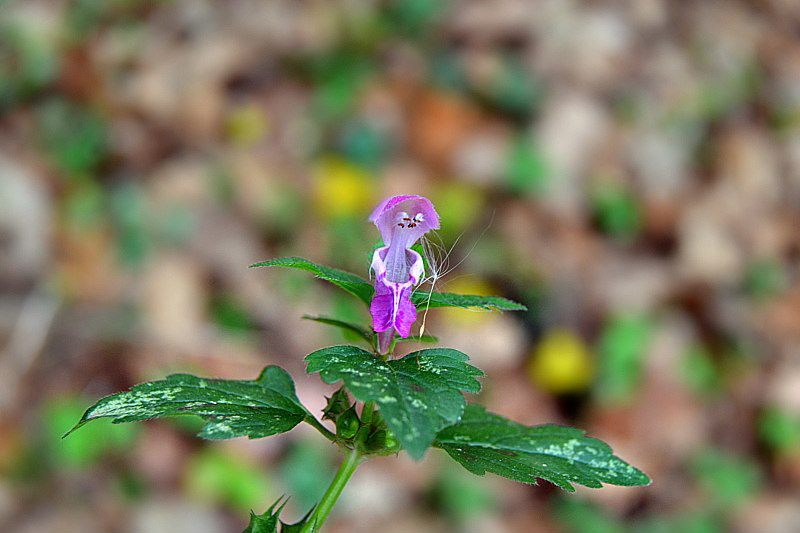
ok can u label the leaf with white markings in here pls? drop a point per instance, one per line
(485, 442)
(417, 395)
(355, 285)
(464, 301)
(232, 408)
(364, 290)
(362, 332)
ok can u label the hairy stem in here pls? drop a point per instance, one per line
(328, 500)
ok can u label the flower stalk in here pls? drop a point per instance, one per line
(343, 475)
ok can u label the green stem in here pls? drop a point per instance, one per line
(328, 500)
(316, 424)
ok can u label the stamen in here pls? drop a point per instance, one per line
(402, 219)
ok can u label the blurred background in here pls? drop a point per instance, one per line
(630, 170)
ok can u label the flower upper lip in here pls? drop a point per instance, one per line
(419, 211)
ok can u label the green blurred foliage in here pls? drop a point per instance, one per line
(459, 206)
(700, 372)
(511, 90)
(716, 100)
(584, 517)
(765, 278)
(85, 205)
(306, 470)
(214, 475)
(364, 144)
(72, 137)
(88, 445)
(704, 521)
(132, 486)
(28, 62)
(526, 168)
(83, 18)
(580, 515)
(347, 238)
(176, 224)
(616, 210)
(413, 18)
(131, 217)
(462, 497)
(728, 480)
(447, 72)
(189, 425)
(621, 350)
(780, 430)
(229, 313)
(338, 77)
(284, 212)
(221, 185)
(345, 307)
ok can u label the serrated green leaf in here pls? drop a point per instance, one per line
(342, 324)
(418, 338)
(363, 289)
(485, 442)
(298, 526)
(465, 301)
(232, 408)
(417, 395)
(266, 522)
(355, 285)
(269, 521)
(363, 332)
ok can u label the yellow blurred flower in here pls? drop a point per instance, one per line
(561, 363)
(246, 124)
(342, 189)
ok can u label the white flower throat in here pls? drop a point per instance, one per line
(396, 260)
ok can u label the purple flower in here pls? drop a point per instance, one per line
(402, 220)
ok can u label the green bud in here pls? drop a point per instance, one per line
(338, 403)
(391, 441)
(377, 441)
(347, 424)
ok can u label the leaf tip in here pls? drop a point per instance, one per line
(80, 424)
(643, 480)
